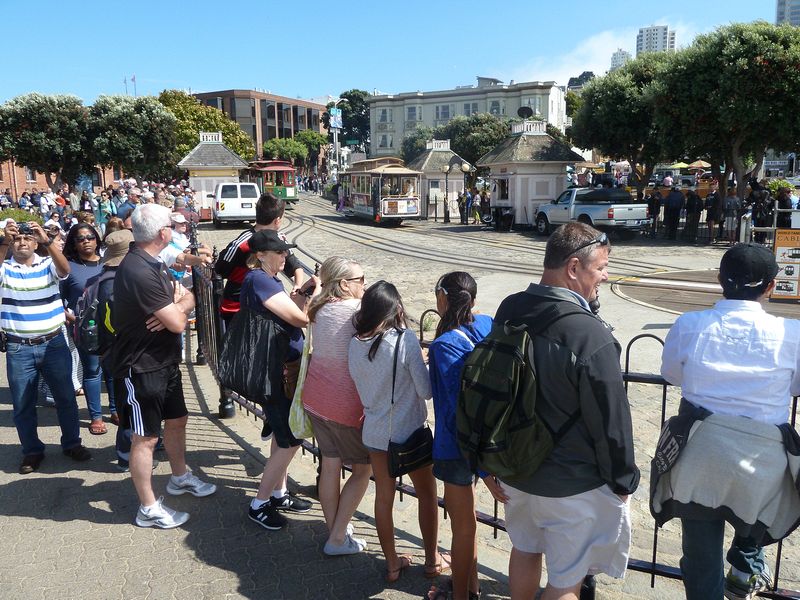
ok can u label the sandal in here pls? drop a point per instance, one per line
(440, 592)
(97, 427)
(392, 575)
(433, 571)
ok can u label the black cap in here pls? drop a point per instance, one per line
(268, 239)
(747, 266)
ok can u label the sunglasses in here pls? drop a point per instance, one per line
(359, 279)
(601, 240)
(438, 289)
(85, 238)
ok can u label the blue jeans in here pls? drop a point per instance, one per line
(91, 383)
(701, 564)
(25, 364)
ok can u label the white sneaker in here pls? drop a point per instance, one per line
(190, 483)
(350, 546)
(160, 516)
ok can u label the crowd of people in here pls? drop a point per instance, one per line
(368, 381)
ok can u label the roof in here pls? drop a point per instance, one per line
(526, 147)
(211, 155)
(434, 160)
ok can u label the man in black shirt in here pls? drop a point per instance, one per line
(150, 312)
(574, 508)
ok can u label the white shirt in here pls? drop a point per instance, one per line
(735, 359)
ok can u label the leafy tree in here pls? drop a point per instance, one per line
(472, 137)
(285, 149)
(194, 117)
(573, 101)
(732, 94)
(48, 134)
(355, 117)
(415, 143)
(617, 113)
(314, 141)
(135, 134)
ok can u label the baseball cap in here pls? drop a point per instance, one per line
(268, 239)
(747, 266)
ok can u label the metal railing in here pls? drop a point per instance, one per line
(208, 291)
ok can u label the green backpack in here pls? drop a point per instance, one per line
(497, 425)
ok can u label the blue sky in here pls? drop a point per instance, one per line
(310, 49)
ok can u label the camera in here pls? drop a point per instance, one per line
(25, 229)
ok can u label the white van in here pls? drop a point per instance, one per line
(235, 202)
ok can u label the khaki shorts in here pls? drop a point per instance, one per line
(579, 535)
(335, 440)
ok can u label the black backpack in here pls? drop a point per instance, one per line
(497, 425)
(93, 317)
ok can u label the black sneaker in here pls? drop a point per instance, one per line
(267, 517)
(79, 453)
(290, 503)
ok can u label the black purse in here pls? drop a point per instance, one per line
(417, 451)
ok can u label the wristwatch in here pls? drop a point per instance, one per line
(46, 244)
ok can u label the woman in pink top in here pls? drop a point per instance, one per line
(332, 403)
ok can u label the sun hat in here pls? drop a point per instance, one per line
(117, 245)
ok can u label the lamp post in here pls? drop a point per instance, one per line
(336, 135)
(446, 171)
(466, 168)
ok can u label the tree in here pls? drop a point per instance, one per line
(415, 143)
(617, 115)
(48, 134)
(573, 101)
(314, 142)
(472, 137)
(732, 94)
(355, 117)
(285, 149)
(194, 117)
(135, 134)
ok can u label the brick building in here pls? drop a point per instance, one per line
(18, 178)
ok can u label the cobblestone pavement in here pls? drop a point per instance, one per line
(67, 530)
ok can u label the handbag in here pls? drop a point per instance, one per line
(416, 451)
(299, 422)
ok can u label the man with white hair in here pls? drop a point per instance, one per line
(150, 312)
(126, 208)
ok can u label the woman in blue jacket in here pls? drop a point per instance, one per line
(458, 332)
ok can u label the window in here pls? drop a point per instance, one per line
(117, 174)
(228, 191)
(385, 141)
(502, 189)
(413, 113)
(249, 191)
(497, 107)
(95, 178)
(385, 115)
(470, 108)
(30, 175)
(564, 198)
(442, 112)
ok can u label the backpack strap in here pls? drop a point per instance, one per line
(394, 376)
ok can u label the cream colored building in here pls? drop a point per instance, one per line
(393, 116)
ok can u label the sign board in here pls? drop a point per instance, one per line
(351, 142)
(336, 118)
(787, 255)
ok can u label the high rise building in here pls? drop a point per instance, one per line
(619, 58)
(656, 38)
(788, 11)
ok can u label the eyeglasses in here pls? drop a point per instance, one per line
(601, 240)
(359, 279)
(438, 289)
(85, 238)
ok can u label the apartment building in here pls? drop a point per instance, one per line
(788, 11)
(656, 38)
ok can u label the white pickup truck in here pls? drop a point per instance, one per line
(607, 209)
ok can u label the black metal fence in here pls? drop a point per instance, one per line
(208, 292)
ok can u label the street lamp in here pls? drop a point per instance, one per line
(446, 171)
(466, 168)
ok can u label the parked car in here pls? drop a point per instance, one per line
(607, 209)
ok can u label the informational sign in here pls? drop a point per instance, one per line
(336, 118)
(787, 255)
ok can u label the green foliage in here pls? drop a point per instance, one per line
(20, 216)
(774, 185)
(314, 141)
(414, 144)
(733, 93)
(472, 137)
(194, 117)
(617, 114)
(355, 117)
(285, 149)
(573, 101)
(48, 134)
(135, 134)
